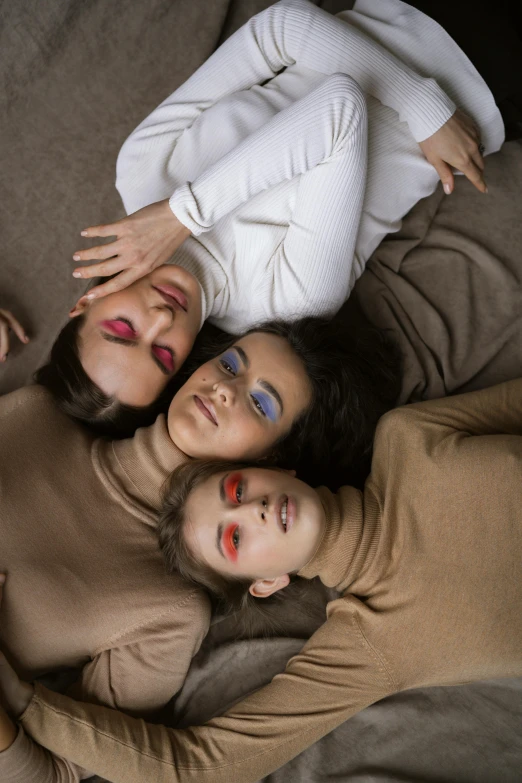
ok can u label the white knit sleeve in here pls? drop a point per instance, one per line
(292, 31)
(323, 139)
(296, 31)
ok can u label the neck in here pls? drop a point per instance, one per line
(346, 541)
(138, 467)
(196, 259)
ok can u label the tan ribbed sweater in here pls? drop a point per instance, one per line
(429, 561)
(86, 583)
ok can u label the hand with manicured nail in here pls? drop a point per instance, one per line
(456, 145)
(143, 241)
(9, 323)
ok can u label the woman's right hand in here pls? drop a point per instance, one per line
(9, 322)
(144, 240)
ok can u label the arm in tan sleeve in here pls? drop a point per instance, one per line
(493, 411)
(138, 677)
(336, 675)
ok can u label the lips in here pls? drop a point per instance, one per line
(285, 513)
(206, 408)
(172, 296)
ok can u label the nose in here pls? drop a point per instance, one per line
(225, 390)
(159, 320)
(259, 511)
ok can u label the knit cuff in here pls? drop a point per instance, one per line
(429, 109)
(185, 208)
(14, 760)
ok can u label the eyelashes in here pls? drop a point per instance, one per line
(234, 488)
(266, 404)
(230, 541)
(119, 328)
(165, 357)
(262, 403)
(229, 362)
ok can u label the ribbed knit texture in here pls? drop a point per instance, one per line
(286, 192)
(86, 583)
(429, 559)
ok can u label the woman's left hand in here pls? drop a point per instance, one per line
(144, 240)
(456, 144)
(15, 694)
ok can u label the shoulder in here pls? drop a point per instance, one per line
(400, 437)
(29, 417)
(27, 396)
(395, 421)
(34, 402)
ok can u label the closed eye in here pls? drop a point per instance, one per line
(164, 358)
(120, 327)
(121, 331)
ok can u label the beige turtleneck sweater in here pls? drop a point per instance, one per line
(429, 561)
(86, 584)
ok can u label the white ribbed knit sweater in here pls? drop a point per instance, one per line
(289, 179)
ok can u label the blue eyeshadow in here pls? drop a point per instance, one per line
(267, 404)
(230, 358)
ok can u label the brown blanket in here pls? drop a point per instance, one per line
(75, 79)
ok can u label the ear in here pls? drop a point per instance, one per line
(80, 307)
(262, 588)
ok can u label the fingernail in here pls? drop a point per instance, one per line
(447, 188)
(84, 234)
(76, 257)
(77, 274)
(486, 191)
(90, 296)
(26, 338)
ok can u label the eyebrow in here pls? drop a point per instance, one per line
(264, 384)
(218, 539)
(242, 355)
(222, 493)
(270, 389)
(111, 338)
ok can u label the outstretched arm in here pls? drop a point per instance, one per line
(138, 677)
(334, 676)
(493, 411)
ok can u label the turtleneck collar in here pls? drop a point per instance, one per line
(135, 469)
(349, 539)
(197, 260)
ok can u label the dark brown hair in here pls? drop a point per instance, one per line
(355, 375)
(82, 399)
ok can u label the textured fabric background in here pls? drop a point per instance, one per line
(76, 76)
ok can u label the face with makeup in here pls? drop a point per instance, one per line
(257, 523)
(238, 405)
(134, 340)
